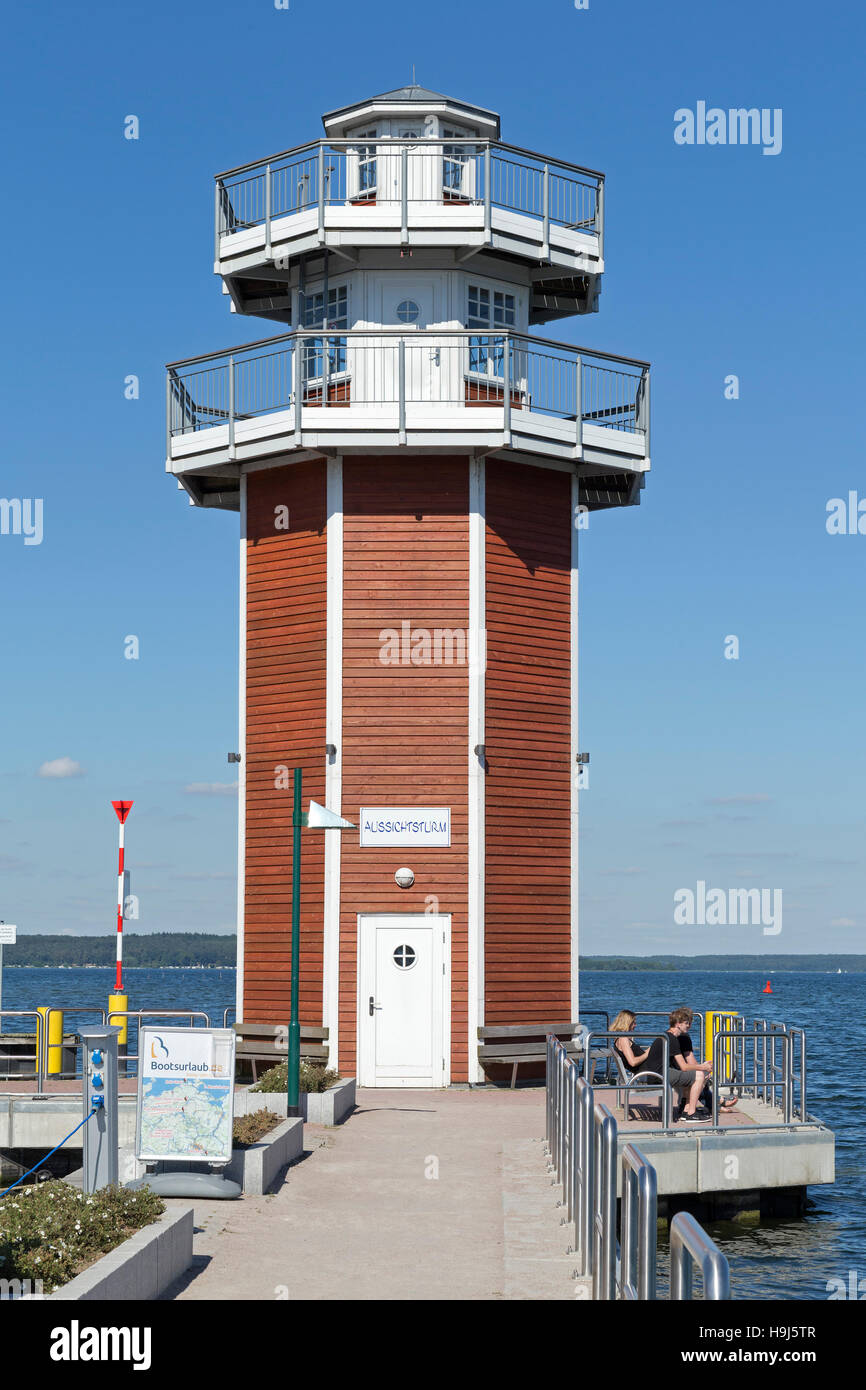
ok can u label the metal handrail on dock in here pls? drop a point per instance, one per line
(37, 1056)
(581, 1137)
(690, 1246)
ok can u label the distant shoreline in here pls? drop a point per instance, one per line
(208, 951)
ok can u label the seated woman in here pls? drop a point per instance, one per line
(624, 1023)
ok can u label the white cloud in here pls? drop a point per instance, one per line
(212, 789)
(61, 767)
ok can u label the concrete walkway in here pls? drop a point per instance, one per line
(418, 1195)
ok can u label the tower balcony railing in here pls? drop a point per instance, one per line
(554, 397)
(402, 176)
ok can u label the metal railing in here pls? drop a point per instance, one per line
(377, 369)
(433, 172)
(690, 1246)
(47, 1044)
(639, 1226)
(770, 1074)
(37, 1056)
(646, 1080)
(582, 1139)
(773, 1070)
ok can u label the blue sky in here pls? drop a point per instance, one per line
(719, 260)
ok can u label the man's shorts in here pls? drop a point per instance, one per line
(681, 1078)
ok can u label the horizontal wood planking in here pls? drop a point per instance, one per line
(286, 617)
(527, 703)
(405, 557)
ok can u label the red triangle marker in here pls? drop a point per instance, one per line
(768, 988)
(122, 809)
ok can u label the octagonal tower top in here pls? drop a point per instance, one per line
(439, 113)
(410, 173)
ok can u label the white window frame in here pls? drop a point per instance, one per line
(456, 156)
(313, 350)
(365, 154)
(496, 323)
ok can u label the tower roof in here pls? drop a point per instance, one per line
(413, 95)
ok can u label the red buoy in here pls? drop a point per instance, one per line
(768, 988)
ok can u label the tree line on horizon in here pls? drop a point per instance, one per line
(145, 952)
(207, 948)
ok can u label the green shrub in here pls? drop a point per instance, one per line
(249, 1129)
(312, 1078)
(52, 1231)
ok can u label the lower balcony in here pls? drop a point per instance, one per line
(443, 391)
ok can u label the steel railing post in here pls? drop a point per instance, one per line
(599, 217)
(604, 1206)
(404, 195)
(547, 1095)
(488, 196)
(788, 1093)
(217, 218)
(545, 211)
(268, 252)
(297, 385)
(506, 372)
(569, 1143)
(231, 407)
(578, 406)
(321, 192)
(401, 373)
(574, 1152)
(689, 1242)
(168, 377)
(666, 1088)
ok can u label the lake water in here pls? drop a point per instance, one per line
(780, 1259)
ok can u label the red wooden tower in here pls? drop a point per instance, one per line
(410, 463)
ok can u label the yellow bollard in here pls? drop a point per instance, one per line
(50, 1038)
(119, 1002)
(710, 1030)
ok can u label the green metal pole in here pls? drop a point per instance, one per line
(295, 1024)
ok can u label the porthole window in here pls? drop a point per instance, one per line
(404, 957)
(408, 311)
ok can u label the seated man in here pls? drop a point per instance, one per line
(686, 1051)
(687, 1080)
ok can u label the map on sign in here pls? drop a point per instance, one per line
(185, 1094)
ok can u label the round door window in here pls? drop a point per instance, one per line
(408, 311)
(404, 957)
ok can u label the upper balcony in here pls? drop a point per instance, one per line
(444, 391)
(457, 196)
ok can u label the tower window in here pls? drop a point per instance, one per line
(337, 318)
(367, 174)
(455, 163)
(489, 310)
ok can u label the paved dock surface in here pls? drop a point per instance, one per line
(418, 1195)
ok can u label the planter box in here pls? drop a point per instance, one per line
(257, 1168)
(142, 1267)
(329, 1107)
(317, 1107)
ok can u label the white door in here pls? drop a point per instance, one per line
(411, 308)
(403, 1000)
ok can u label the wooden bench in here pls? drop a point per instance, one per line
(268, 1044)
(526, 1042)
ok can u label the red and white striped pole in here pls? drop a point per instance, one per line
(122, 810)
